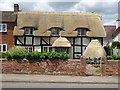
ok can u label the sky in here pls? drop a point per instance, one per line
(107, 9)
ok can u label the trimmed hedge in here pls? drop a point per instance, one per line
(113, 57)
(16, 53)
(47, 55)
(19, 53)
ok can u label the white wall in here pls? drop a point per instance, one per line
(77, 40)
(38, 48)
(86, 41)
(36, 40)
(117, 24)
(77, 48)
(21, 39)
(117, 38)
(46, 39)
(28, 40)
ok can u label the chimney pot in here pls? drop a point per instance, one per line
(16, 7)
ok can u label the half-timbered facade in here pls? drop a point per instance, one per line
(39, 30)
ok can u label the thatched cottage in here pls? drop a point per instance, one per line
(58, 31)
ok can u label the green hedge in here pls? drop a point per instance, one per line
(16, 53)
(113, 57)
(47, 55)
(19, 53)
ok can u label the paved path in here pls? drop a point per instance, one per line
(59, 79)
(55, 85)
(91, 70)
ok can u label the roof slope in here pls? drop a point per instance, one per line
(7, 16)
(68, 21)
(116, 32)
(109, 31)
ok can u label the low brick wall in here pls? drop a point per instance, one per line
(110, 67)
(69, 67)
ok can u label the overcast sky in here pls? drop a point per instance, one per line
(108, 9)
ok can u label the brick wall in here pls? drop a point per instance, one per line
(110, 67)
(70, 67)
(7, 37)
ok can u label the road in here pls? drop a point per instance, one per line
(55, 85)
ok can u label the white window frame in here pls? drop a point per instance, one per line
(48, 48)
(2, 47)
(27, 48)
(1, 27)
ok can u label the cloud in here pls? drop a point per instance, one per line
(62, 6)
(27, 6)
(108, 9)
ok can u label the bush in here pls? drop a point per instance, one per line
(113, 57)
(19, 53)
(55, 55)
(115, 45)
(16, 53)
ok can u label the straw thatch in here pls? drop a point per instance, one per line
(94, 49)
(43, 21)
(61, 42)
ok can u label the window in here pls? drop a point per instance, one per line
(3, 47)
(29, 49)
(81, 32)
(47, 48)
(55, 31)
(28, 31)
(61, 50)
(3, 27)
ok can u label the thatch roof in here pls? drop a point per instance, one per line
(68, 21)
(61, 42)
(94, 49)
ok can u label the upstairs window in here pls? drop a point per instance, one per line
(28, 31)
(55, 31)
(81, 32)
(3, 27)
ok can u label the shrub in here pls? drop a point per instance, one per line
(113, 57)
(109, 57)
(115, 45)
(16, 53)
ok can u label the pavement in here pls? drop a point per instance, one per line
(59, 79)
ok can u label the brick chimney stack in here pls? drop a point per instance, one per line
(16, 8)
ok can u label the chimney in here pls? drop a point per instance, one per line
(16, 8)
